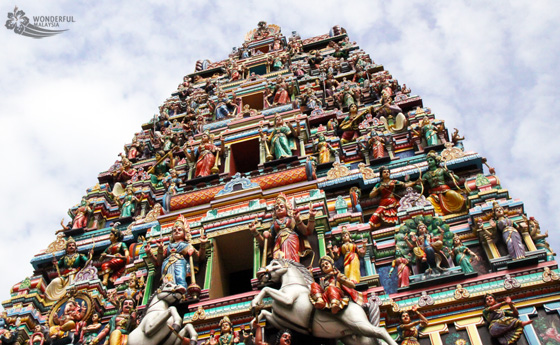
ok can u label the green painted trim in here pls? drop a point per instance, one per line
(149, 284)
(209, 262)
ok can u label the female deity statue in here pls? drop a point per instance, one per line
(125, 172)
(348, 97)
(175, 259)
(82, 214)
(463, 255)
(281, 139)
(288, 231)
(503, 324)
(324, 149)
(281, 95)
(376, 144)
(352, 254)
(387, 109)
(205, 155)
(510, 235)
(134, 151)
(117, 255)
(386, 212)
(330, 85)
(350, 124)
(403, 271)
(227, 335)
(161, 168)
(128, 204)
(408, 330)
(442, 197)
(334, 290)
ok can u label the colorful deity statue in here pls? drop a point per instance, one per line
(128, 204)
(442, 197)
(375, 144)
(114, 257)
(425, 242)
(334, 290)
(428, 131)
(82, 215)
(177, 259)
(281, 140)
(206, 155)
(161, 168)
(504, 325)
(324, 149)
(72, 314)
(350, 124)
(288, 231)
(91, 330)
(67, 267)
(120, 325)
(510, 234)
(386, 212)
(409, 330)
(539, 239)
(227, 335)
(403, 271)
(351, 253)
(429, 248)
(462, 255)
(172, 183)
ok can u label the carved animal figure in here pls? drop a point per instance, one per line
(162, 324)
(291, 308)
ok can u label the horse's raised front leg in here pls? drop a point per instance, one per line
(265, 314)
(276, 295)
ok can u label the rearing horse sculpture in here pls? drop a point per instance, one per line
(291, 308)
(162, 324)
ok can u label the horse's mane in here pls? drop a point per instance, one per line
(302, 269)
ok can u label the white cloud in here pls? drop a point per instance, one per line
(69, 103)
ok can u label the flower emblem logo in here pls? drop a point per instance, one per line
(17, 21)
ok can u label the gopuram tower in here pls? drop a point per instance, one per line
(297, 181)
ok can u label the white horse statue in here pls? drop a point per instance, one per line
(161, 324)
(291, 308)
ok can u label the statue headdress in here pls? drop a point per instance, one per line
(282, 199)
(327, 258)
(224, 320)
(434, 155)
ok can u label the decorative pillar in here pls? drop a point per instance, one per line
(434, 333)
(149, 283)
(471, 325)
(209, 262)
(529, 330)
(321, 240)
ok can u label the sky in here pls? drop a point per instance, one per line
(69, 103)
